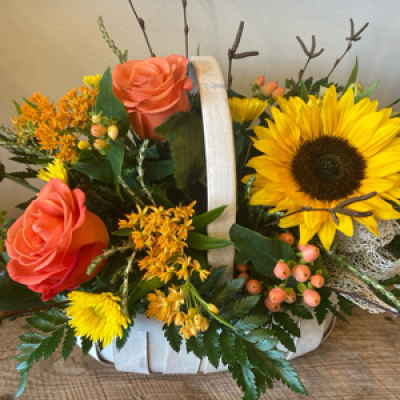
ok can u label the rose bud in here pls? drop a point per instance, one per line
(271, 306)
(281, 270)
(242, 267)
(310, 253)
(290, 298)
(244, 275)
(311, 297)
(259, 81)
(287, 237)
(268, 88)
(317, 281)
(301, 272)
(97, 130)
(278, 92)
(253, 286)
(277, 295)
(112, 132)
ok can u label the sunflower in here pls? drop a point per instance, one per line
(318, 155)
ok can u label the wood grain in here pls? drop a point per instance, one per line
(359, 361)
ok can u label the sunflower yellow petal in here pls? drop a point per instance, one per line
(383, 164)
(292, 220)
(345, 224)
(326, 233)
(329, 113)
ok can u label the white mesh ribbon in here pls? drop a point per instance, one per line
(367, 252)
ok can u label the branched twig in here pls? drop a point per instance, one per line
(354, 37)
(130, 191)
(309, 53)
(232, 55)
(140, 170)
(7, 314)
(356, 297)
(185, 28)
(338, 209)
(122, 57)
(142, 27)
(125, 287)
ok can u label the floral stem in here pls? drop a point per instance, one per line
(140, 170)
(125, 288)
(130, 191)
(186, 28)
(121, 56)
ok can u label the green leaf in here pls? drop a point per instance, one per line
(100, 170)
(319, 264)
(366, 93)
(287, 323)
(199, 241)
(155, 171)
(173, 337)
(142, 288)
(260, 334)
(353, 76)
(212, 280)
(86, 345)
(227, 342)
(300, 311)
(108, 104)
(22, 382)
(32, 337)
(28, 347)
(322, 309)
(185, 133)
(16, 297)
(212, 344)
(396, 292)
(52, 342)
(202, 220)
(251, 391)
(240, 307)
(160, 197)
(241, 350)
(337, 314)
(345, 305)
(303, 91)
(284, 338)
(195, 344)
(123, 232)
(224, 293)
(54, 316)
(17, 107)
(40, 324)
(251, 322)
(116, 158)
(121, 341)
(264, 253)
(392, 281)
(69, 343)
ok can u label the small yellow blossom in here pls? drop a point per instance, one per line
(92, 80)
(54, 170)
(246, 110)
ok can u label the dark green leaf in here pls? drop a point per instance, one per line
(303, 91)
(32, 337)
(322, 309)
(211, 343)
(17, 107)
(160, 197)
(285, 338)
(202, 220)
(173, 337)
(392, 281)
(366, 93)
(259, 334)
(223, 293)
(109, 106)
(251, 322)
(21, 357)
(213, 279)
(287, 323)
(199, 241)
(54, 316)
(337, 314)
(264, 253)
(251, 391)
(241, 350)
(69, 343)
(116, 158)
(195, 344)
(155, 171)
(123, 232)
(142, 288)
(353, 76)
(228, 352)
(100, 170)
(320, 265)
(187, 145)
(28, 347)
(240, 307)
(121, 341)
(86, 345)
(41, 324)
(300, 311)
(345, 305)
(52, 342)
(396, 292)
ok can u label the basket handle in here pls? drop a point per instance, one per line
(220, 156)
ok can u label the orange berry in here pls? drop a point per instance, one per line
(277, 295)
(97, 130)
(278, 92)
(311, 297)
(281, 270)
(99, 144)
(291, 298)
(253, 286)
(271, 306)
(242, 267)
(244, 275)
(287, 237)
(259, 81)
(268, 88)
(301, 272)
(301, 247)
(317, 281)
(310, 253)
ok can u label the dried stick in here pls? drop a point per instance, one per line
(7, 314)
(232, 55)
(354, 37)
(142, 26)
(186, 28)
(338, 209)
(309, 53)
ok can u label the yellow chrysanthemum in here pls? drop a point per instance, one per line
(54, 170)
(317, 156)
(246, 110)
(96, 316)
(92, 80)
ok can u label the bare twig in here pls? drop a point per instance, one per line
(338, 209)
(232, 52)
(354, 37)
(186, 28)
(7, 314)
(309, 53)
(142, 26)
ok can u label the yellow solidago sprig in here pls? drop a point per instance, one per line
(92, 80)
(54, 170)
(246, 110)
(96, 316)
(162, 234)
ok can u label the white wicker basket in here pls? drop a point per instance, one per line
(146, 349)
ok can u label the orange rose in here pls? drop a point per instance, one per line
(54, 241)
(152, 90)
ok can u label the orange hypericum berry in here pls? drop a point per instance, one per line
(317, 281)
(244, 275)
(311, 297)
(271, 306)
(310, 253)
(301, 247)
(253, 286)
(259, 81)
(112, 132)
(268, 88)
(287, 237)
(290, 298)
(242, 267)
(278, 92)
(97, 130)
(277, 295)
(99, 144)
(281, 270)
(301, 272)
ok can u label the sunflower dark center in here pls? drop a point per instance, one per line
(328, 168)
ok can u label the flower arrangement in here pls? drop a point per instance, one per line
(119, 228)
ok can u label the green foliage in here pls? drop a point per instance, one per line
(285, 338)
(211, 343)
(284, 320)
(116, 157)
(184, 131)
(345, 305)
(212, 280)
(86, 345)
(196, 240)
(300, 311)
(142, 288)
(99, 169)
(69, 343)
(172, 335)
(195, 344)
(303, 92)
(240, 307)
(366, 93)
(322, 309)
(155, 171)
(394, 248)
(109, 106)
(353, 76)
(202, 220)
(264, 253)
(251, 322)
(223, 293)
(121, 341)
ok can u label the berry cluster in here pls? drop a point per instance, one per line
(267, 90)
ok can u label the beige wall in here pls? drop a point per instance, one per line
(48, 45)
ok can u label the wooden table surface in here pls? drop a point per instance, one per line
(360, 360)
